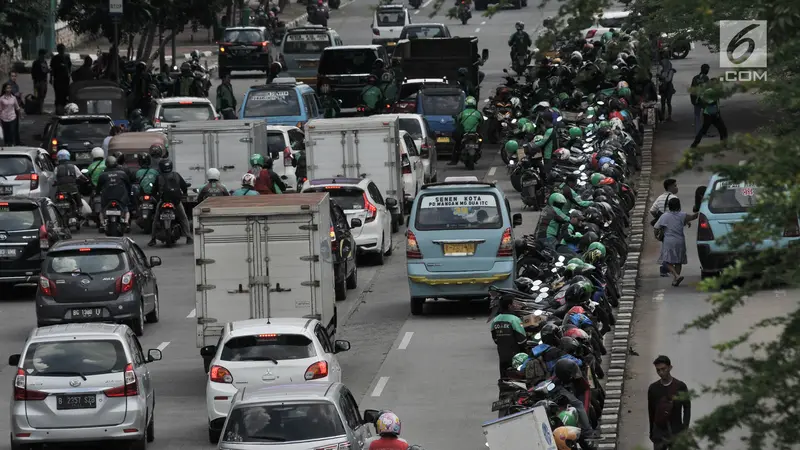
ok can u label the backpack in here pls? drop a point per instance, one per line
(264, 184)
(663, 409)
(170, 188)
(536, 371)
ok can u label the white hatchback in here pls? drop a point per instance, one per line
(284, 144)
(424, 139)
(266, 352)
(412, 168)
(387, 25)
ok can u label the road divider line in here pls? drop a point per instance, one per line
(192, 314)
(492, 171)
(427, 2)
(162, 346)
(483, 23)
(416, 12)
(478, 30)
(658, 295)
(406, 340)
(379, 386)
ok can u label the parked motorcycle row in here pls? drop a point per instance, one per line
(572, 145)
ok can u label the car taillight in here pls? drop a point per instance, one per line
(146, 198)
(20, 391)
(114, 204)
(372, 210)
(219, 374)
(264, 44)
(406, 165)
(125, 282)
(44, 242)
(506, 247)
(334, 243)
(316, 371)
(129, 389)
(590, 34)
(54, 144)
(32, 177)
(412, 248)
(156, 122)
(168, 205)
(704, 232)
(792, 229)
(376, 32)
(47, 286)
(660, 43)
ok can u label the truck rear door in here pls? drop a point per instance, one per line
(190, 156)
(373, 156)
(231, 155)
(327, 155)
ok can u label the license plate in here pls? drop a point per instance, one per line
(307, 64)
(87, 313)
(459, 249)
(167, 216)
(287, 162)
(500, 404)
(148, 206)
(6, 190)
(63, 206)
(529, 183)
(8, 252)
(79, 401)
(391, 44)
(83, 156)
(113, 212)
(443, 140)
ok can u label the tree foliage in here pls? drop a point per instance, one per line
(20, 19)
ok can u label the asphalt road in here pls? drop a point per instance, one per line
(438, 371)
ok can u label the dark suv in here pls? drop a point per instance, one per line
(78, 134)
(28, 228)
(247, 48)
(344, 248)
(343, 71)
(98, 280)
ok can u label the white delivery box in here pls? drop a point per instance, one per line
(226, 145)
(526, 430)
(261, 257)
(358, 147)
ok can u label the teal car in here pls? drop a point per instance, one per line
(722, 204)
(460, 240)
(285, 101)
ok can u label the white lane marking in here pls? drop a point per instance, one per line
(345, 5)
(416, 12)
(483, 23)
(192, 314)
(478, 30)
(162, 345)
(658, 296)
(492, 171)
(406, 340)
(428, 2)
(379, 386)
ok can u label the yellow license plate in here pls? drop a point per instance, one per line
(443, 140)
(459, 249)
(391, 44)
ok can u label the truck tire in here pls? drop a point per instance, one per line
(417, 306)
(352, 280)
(340, 288)
(396, 224)
(213, 436)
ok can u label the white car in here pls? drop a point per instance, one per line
(604, 23)
(266, 352)
(387, 24)
(417, 126)
(360, 198)
(284, 143)
(412, 167)
(181, 109)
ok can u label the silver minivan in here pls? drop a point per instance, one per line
(26, 172)
(82, 382)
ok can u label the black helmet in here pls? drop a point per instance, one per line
(165, 166)
(141, 66)
(120, 157)
(587, 239)
(186, 67)
(570, 345)
(136, 114)
(551, 334)
(463, 71)
(156, 151)
(575, 294)
(144, 159)
(111, 162)
(567, 370)
(268, 163)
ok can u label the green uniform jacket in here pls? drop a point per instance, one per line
(331, 107)
(225, 97)
(573, 199)
(146, 179)
(244, 191)
(516, 322)
(469, 120)
(371, 96)
(571, 236)
(95, 170)
(550, 144)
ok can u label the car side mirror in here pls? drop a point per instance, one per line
(485, 54)
(699, 193)
(341, 346)
(371, 416)
(208, 351)
(155, 261)
(154, 355)
(355, 223)
(13, 360)
(391, 202)
(516, 220)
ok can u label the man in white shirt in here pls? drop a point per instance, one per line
(114, 131)
(660, 206)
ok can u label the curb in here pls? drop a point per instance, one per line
(77, 60)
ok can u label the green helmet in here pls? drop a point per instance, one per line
(557, 198)
(575, 132)
(590, 128)
(624, 92)
(606, 37)
(571, 268)
(512, 146)
(556, 110)
(522, 122)
(596, 178)
(577, 261)
(470, 102)
(604, 124)
(563, 96)
(568, 418)
(599, 247)
(257, 160)
(585, 285)
(590, 111)
(518, 360)
(528, 128)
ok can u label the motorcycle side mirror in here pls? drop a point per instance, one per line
(561, 258)
(554, 270)
(550, 387)
(513, 121)
(537, 337)
(582, 167)
(84, 171)
(538, 312)
(559, 119)
(505, 70)
(485, 118)
(537, 282)
(699, 193)
(559, 264)
(601, 103)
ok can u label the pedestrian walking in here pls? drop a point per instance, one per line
(659, 207)
(60, 74)
(225, 97)
(665, 86)
(39, 74)
(669, 230)
(698, 80)
(12, 80)
(711, 114)
(115, 130)
(10, 111)
(668, 404)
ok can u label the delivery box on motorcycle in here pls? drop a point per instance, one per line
(526, 430)
(261, 257)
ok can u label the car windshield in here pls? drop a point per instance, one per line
(306, 43)
(104, 107)
(89, 261)
(283, 422)
(181, 112)
(350, 61)
(15, 165)
(442, 105)
(412, 126)
(66, 358)
(422, 32)
(242, 36)
(611, 22)
(267, 347)
(272, 103)
(86, 130)
(348, 198)
(391, 18)
(18, 217)
(470, 210)
(727, 197)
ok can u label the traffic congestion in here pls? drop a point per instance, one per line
(409, 167)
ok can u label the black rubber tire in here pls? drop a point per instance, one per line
(137, 323)
(352, 280)
(417, 306)
(380, 257)
(390, 250)
(395, 225)
(213, 436)
(155, 315)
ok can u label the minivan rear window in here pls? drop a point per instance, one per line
(15, 165)
(242, 36)
(272, 103)
(348, 198)
(442, 105)
(74, 357)
(391, 18)
(283, 422)
(728, 198)
(14, 217)
(91, 262)
(97, 129)
(306, 43)
(185, 112)
(615, 22)
(268, 347)
(458, 211)
(346, 62)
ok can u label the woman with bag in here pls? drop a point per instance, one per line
(669, 230)
(10, 111)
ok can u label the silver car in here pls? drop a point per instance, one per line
(81, 383)
(298, 416)
(26, 172)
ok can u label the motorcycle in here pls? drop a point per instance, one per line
(463, 12)
(415, 3)
(144, 213)
(169, 229)
(114, 219)
(500, 117)
(520, 61)
(65, 203)
(317, 15)
(471, 149)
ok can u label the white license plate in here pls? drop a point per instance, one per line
(6, 190)
(63, 206)
(169, 215)
(83, 156)
(529, 183)
(8, 252)
(113, 212)
(148, 206)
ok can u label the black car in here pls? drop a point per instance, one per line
(78, 134)
(247, 48)
(343, 246)
(98, 280)
(343, 71)
(28, 228)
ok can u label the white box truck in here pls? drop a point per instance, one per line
(358, 147)
(227, 145)
(526, 430)
(261, 257)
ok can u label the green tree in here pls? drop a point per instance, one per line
(20, 19)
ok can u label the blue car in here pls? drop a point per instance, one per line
(460, 240)
(439, 105)
(723, 205)
(285, 101)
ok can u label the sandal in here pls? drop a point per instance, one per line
(677, 281)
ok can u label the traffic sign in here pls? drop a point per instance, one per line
(115, 7)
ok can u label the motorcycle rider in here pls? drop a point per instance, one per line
(97, 167)
(67, 177)
(318, 14)
(371, 95)
(137, 121)
(114, 185)
(146, 176)
(331, 106)
(378, 68)
(574, 199)
(170, 187)
(552, 220)
(388, 428)
(248, 186)
(465, 83)
(520, 41)
(267, 181)
(508, 334)
(275, 69)
(468, 121)
(572, 236)
(185, 85)
(213, 188)
(388, 87)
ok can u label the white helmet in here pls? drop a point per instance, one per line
(63, 155)
(213, 174)
(98, 153)
(515, 102)
(249, 179)
(71, 109)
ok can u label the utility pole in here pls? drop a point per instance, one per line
(116, 11)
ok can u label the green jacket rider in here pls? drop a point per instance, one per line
(553, 219)
(97, 167)
(225, 97)
(571, 234)
(371, 95)
(388, 87)
(574, 200)
(331, 107)
(467, 121)
(146, 177)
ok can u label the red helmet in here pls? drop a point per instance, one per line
(576, 333)
(577, 310)
(616, 115)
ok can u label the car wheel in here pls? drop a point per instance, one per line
(352, 280)
(340, 288)
(137, 324)
(388, 251)
(155, 315)
(395, 225)
(379, 257)
(417, 306)
(213, 435)
(151, 428)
